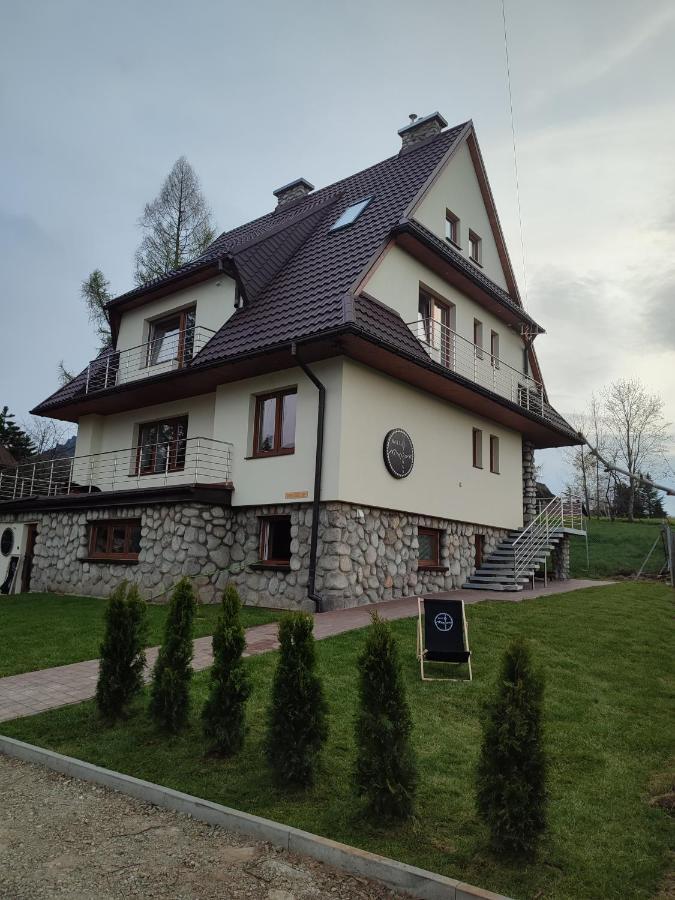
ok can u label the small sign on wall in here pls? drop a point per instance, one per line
(398, 452)
(296, 495)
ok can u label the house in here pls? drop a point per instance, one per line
(338, 402)
(6, 458)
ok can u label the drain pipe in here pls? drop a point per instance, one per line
(318, 468)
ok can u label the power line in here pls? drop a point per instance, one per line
(515, 155)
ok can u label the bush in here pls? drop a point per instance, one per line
(385, 773)
(297, 718)
(120, 674)
(223, 716)
(170, 696)
(511, 795)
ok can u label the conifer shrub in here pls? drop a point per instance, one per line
(511, 778)
(297, 724)
(224, 713)
(385, 774)
(170, 694)
(120, 674)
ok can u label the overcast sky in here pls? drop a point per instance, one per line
(97, 100)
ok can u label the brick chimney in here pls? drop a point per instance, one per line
(293, 191)
(421, 129)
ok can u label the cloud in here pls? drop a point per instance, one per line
(658, 299)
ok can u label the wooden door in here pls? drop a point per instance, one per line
(27, 569)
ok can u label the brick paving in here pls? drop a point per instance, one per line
(35, 692)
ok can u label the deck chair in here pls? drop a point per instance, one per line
(442, 635)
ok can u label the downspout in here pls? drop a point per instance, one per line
(318, 469)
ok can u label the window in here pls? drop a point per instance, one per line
(494, 454)
(475, 245)
(275, 540)
(429, 540)
(350, 215)
(172, 338)
(478, 448)
(161, 447)
(494, 349)
(478, 338)
(436, 319)
(117, 539)
(451, 228)
(274, 432)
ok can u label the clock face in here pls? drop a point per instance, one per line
(398, 452)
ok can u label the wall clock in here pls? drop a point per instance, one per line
(398, 453)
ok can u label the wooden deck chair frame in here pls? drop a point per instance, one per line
(421, 651)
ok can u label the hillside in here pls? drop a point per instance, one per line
(616, 548)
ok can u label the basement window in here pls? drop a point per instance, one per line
(117, 540)
(429, 555)
(350, 215)
(275, 540)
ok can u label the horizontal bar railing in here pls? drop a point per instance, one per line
(154, 357)
(182, 461)
(554, 515)
(467, 359)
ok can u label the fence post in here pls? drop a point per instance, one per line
(51, 479)
(197, 459)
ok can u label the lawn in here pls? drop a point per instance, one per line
(607, 658)
(43, 630)
(616, 548)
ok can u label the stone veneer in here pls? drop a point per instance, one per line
(364, 554)
(560, 559)
(529, 483)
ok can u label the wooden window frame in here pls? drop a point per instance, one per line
(452, 221)
(494, 346)
(478, 338)
(127, 555)
(181, 315)
(477, 447)
(277, 449)
(265, 522)
(475, 244)
(478, 550)
(174, 464)
(494, 454)
(435, 561)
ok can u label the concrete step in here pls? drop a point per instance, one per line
(470, 586)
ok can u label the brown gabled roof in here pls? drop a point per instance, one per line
(298, 276)
(6, 458)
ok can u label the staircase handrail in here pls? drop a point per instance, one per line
(537, 534)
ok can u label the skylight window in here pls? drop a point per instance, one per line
(351, 214)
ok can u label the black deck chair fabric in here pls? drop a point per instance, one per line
(445, 635)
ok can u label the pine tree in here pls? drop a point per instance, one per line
(122, 661)
(224, 712)
(96, 295)
(511, 782)
(177, 225)
(297, 724)
(170, 695)
(385, 773)
(13, 437)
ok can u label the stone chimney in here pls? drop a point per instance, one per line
(421, 129)
(293, 191)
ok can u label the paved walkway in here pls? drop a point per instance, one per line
(34, 692)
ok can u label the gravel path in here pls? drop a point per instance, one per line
(60, 837)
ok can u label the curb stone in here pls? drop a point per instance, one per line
(408, 879)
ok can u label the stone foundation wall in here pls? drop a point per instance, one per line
(364, 554)
(560, 560)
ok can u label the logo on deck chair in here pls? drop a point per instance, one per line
(444, 621)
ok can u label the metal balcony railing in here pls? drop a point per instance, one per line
(462, 356)
(155, 357)
(195, 460)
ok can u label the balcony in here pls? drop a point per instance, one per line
(189, 461)
(155, 357)
(456, 353)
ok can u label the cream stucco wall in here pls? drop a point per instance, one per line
(396, 281)
(443, 482)
(214, 301)
(457, 189)
(270, 479)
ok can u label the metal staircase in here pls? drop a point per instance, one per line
(522, 553)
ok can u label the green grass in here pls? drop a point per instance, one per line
(607, 656)
(616, 548)
(43, 630)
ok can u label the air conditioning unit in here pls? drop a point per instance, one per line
(12, 548)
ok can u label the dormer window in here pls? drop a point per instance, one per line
(452, 228)
(475, 248)
(172, 338)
